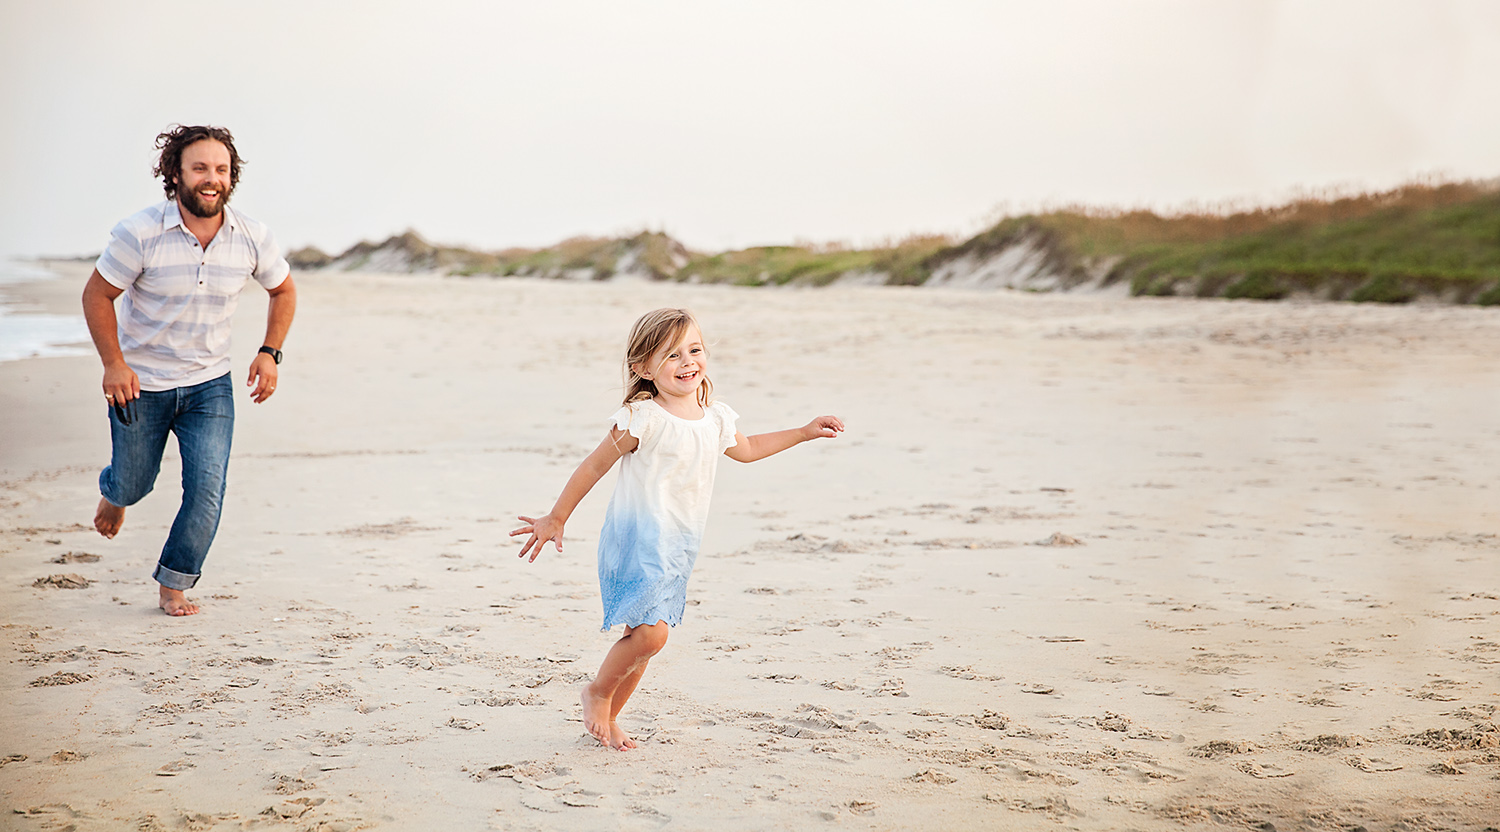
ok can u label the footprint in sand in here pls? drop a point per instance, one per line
(1263, 771)
(580, 798)
(59, 678)
(174, 768)
(540, 802)
(1223, 748)
(67, 581)
(290, 784)
(1324, 743)
(1448, 766)
(992, 721)
(967, 672)
(76, 557)
(299, 806)
(1372, 765)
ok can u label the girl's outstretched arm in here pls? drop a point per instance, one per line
(762, 445)
(550, 527)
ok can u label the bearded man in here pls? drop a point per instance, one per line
(180, 266)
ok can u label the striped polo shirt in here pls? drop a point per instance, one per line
(179, 297)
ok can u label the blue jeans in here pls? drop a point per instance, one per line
(202, 416)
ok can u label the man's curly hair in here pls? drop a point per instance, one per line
(175, 140)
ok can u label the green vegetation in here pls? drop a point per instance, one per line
(1385, 247)
(900, 263)
(1420, 240)
(651, 253)
(1438, 240)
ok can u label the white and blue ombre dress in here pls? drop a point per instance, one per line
(654, 523)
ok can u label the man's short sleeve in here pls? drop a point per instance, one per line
(271, 268)
(122, 260)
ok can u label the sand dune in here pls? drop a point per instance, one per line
(1078, 562)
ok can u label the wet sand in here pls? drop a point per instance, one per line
(1078, 562)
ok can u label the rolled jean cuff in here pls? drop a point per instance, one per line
(172, 579)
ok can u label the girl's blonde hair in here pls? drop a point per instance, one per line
(654, 330)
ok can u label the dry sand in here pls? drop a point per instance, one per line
(1282, 611)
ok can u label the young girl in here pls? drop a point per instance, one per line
(670, 434)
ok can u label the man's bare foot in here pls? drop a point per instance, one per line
(596, 716)
(173, 602)
(619, 739)
(108, 518)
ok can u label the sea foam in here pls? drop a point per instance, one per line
(27, 334)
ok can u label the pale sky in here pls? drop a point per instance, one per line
(729, 124)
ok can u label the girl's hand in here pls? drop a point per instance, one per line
(823, 427)
(541, 529)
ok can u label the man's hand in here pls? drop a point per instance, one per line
(262, 376)
(121, 384)
(541, 529)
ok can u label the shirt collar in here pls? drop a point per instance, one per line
(173, 216)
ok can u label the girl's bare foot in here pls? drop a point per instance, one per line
(596, 715)
(173, 602)
(619, 739)
(108, 518)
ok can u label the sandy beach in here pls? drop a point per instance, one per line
(1079, 562)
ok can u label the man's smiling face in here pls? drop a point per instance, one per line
(203, 184)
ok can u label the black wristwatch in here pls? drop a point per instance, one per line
(273, 352)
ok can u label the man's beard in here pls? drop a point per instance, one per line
(198, 208)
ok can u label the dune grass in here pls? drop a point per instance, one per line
(1387, 247)
(1420, 240)
(902, 262)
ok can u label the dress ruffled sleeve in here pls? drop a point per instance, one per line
(637, 419)
(727, 418)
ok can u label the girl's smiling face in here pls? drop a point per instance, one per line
(678, 369)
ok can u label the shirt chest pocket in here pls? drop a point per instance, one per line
(218, 279)
(226, 267)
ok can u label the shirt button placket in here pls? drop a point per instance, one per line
(197, 246)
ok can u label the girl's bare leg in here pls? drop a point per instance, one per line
(626, 660)
(620, 739)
